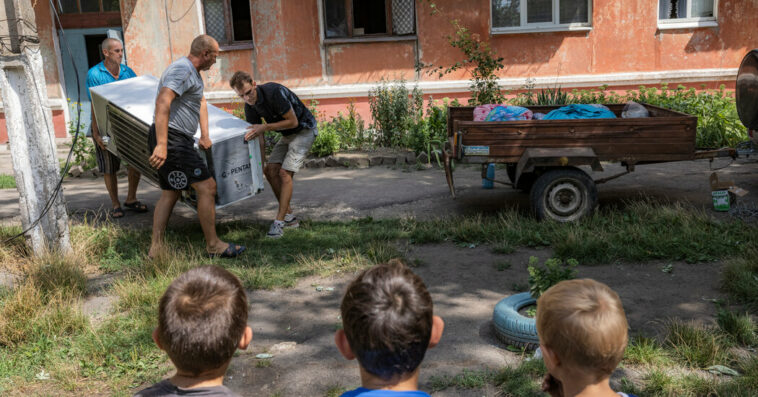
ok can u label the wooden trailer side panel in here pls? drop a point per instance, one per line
(665, 136)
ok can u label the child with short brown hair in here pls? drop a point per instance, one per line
(388, 324)
(583, 334)
(202, 321)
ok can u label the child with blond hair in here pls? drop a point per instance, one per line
(583, 334)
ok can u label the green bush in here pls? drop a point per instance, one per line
(555, 271)
(7, 181)
(350, 129)
(327, 141)
(718, 123)
(84, 148)
(394, 109)
(429, 134)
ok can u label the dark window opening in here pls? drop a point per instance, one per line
(228, 21)
(243, 28)
(370, 17)
(93, 45)
(357, 18)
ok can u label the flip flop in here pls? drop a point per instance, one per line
(136, 206)
(232, 251)
(117, 212)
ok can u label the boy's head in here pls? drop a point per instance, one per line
(388, 321)
(202, 320)
(582, 322)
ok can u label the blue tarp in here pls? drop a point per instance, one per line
(578, 111)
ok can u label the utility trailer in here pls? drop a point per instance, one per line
(543, 156)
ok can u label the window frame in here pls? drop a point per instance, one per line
(89, 19)
(688, 22)
(375, 37)
(230, 44)
(553, 26)
(79, 9)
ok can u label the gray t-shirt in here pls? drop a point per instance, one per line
(182, 78)
(166, 388)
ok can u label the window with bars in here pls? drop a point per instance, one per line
(368, 18)
(515, 15)
(228, 21)
(686, 9)
(85, 6)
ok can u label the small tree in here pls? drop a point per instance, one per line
(553, 272)
(484, 65)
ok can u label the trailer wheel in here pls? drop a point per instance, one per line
(564, 195)
(525, 181)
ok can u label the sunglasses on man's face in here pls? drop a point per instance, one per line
(248, 93)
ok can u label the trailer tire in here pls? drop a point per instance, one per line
(511, 327)
(564, 195)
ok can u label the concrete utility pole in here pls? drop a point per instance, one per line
(30, 128)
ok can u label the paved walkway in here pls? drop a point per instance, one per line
(397, 191)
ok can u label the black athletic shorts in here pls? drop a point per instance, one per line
(183, 165)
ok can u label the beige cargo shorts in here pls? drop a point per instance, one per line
(290, 151)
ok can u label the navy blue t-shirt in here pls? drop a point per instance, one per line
(363, 392)
(274, 100)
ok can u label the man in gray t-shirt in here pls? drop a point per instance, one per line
(182, 78)
(179, 108)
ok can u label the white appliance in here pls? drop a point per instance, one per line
(124, 112)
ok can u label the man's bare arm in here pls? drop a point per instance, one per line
(162, 110)
(205, 139)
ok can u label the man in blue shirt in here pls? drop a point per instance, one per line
(108, 71)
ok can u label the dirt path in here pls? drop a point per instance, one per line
(297, 325)
(385, 192)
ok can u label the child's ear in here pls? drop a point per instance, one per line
(340, 339)
(155, 338)
(437, 327)
(549, 356)
(247, 337)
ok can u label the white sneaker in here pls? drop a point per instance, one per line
(275, 231)
(290, 221)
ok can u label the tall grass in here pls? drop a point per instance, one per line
(740, 278)
(697, 346)
(641, 231)
(740, 327)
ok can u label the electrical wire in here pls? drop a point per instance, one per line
(183, 15)
(168, 28)
(58, 186)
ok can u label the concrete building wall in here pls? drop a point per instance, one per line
(48, 46)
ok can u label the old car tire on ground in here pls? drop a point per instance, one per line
(511, 327)
(563, 194)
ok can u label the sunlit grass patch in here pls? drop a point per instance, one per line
(645, 351)
(7, 181)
